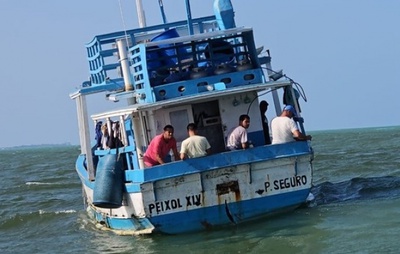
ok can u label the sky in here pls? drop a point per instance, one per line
(345, 54)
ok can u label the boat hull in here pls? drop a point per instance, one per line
(204, 72)
(206, 198)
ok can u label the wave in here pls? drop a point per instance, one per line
(57, 212)
(22, 219)
(356, 189)
(38, 183)
(61, 184)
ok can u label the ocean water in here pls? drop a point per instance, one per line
(356, 207)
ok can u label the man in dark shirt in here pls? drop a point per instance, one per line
(264, 120)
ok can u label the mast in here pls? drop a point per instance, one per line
(189, 17)
(140, 13)
(160, 3)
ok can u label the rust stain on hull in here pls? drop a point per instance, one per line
(225, 188)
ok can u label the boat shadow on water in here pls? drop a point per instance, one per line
(356, 189)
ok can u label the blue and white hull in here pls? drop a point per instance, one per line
(203, 194)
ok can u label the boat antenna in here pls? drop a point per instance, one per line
(297, 85)
(164, 18)
(189, 17)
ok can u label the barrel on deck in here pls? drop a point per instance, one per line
(108, 187)
(169, 54)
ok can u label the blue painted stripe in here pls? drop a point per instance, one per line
(203, 164)
(215, 216)
(243, 211)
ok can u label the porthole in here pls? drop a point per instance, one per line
(248, 77)
(226, 80)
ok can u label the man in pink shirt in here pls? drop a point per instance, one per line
(160, 146)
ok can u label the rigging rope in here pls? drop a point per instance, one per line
(123, 23)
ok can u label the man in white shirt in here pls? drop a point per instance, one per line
(195, 145)
(284, 128)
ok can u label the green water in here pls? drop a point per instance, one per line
(356, 210)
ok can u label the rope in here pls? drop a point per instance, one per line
(298, 86)
(123, 23)
(259, 95)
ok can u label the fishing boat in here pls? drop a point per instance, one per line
(206, 71)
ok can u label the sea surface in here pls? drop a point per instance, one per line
(356, 207)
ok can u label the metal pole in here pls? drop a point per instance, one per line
(164, 18)
(275, 97)
(140, 13)
(123, 58)
(189, 17)
(84, 134)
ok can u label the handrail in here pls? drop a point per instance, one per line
(110, 37)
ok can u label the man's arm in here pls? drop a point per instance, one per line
(176, 154)
(300, 136)
(159, 159)
(183, 156)
(157, 143)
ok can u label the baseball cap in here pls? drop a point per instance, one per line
(291, 109)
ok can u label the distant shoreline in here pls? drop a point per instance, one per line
(38, 146)
(309, 131)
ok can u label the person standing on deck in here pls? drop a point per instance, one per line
(160, 146)
(264, 120)
(237, 138)
(284, 128)
(195, 145)
(105, 137)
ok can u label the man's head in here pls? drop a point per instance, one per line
(168, 132)
(263, 106)
(244, 121)
(191, 128)
(290, 111)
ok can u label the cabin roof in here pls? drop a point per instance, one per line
(190, 99)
